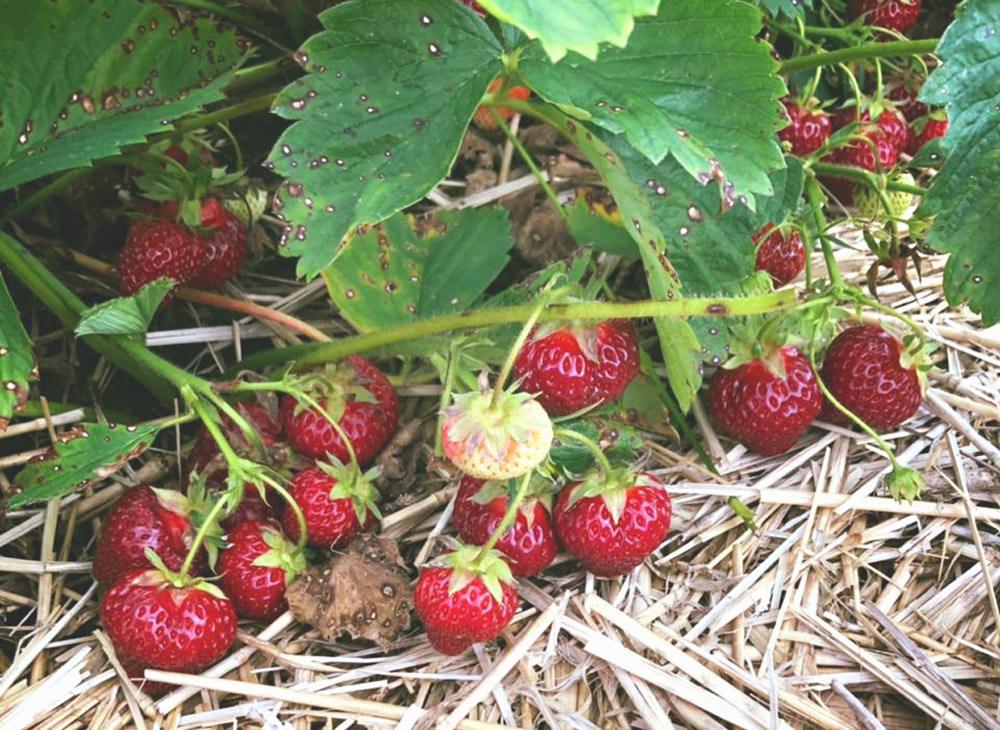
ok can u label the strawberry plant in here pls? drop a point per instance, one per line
(357, 200)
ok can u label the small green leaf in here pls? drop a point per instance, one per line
(594, 221)
(17, 364)
(378, 119)
(572, 25)
(694, 82)
(406, 268)
(620, 442)
(788, 8)
(965, 193)
(85, 455)
(125, 315)
(83, 79)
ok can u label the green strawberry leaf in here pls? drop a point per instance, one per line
(966, 191)
(125, 315)
(17, 364)
(406, 268)
(379, 118)
(81, 457)
(593, 220)
(788, 8)
(84, 78)
(621, 443)
(572, 25)
(693, 82)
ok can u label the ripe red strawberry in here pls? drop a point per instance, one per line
(530, 543)
(766, 405)
(225, 245)
(847, 115)
(891, 122)
(500, 441)
(894, 125)
(906, 101)
(809, 129)
(897, 15)
(924, 130)
(861, 155)
(484, 120)
(780, 254)
(358, 397)
(148, 518)
(154, 620)
(337, 502)
(574, 367)
(255, 568)
(156, 250)
(465, 599)
(866, 369)
(612, 522)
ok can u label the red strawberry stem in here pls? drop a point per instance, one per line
(509, 516)
(539, 175)
(594, 448)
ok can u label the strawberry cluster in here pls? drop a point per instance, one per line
(610, 520)
(256, 550)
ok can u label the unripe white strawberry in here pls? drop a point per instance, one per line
(869, 203)
(496, 441)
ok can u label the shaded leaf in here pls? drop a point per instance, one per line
(84, 78)
(593, 221)
(788, 8)
(85, 455)
(405, 268)
(693, 82)
(620, 442)
(17, 364)
(572, 25)
(125, 315)
(378, 119)
(965, 193)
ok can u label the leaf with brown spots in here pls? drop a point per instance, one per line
(82, 456)
(379, 118)
(81, 79)
(17, 365)
(365, 593)
(406, 268)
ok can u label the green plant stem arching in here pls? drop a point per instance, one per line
(814, 196)
(566, 434)
(854, 173)
(856, 53)
(306, 356)
(509, 516)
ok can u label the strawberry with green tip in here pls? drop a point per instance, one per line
(530, 543)
(162, 520)
(337, 502)
(612, 522)
(156, 619)
(572, 367)
(870, 373)
(353, 393)
(765, 397)
(465, 598)
(496, 441)
(255, 568)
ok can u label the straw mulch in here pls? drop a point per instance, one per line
(844, 610)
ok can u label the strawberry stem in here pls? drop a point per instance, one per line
(199, 538)
(522, 337)
(593, 447)
(814, 196)
(509, 516)
(293, 505)
(539, 175)
(867, 301)
(877, 49)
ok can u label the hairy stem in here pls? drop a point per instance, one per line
(814, 197)
(200, 121)
(309, 355)
(876, 49)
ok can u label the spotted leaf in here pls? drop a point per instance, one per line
(693, 82)
(17, 365)
(378, 119)
(79, 458)
(593, 220)
(406, 268)
(81, 79)
(572, 25)
(965, 194)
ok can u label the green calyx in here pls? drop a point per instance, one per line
(353, 485)
(540, 489)
(282, 554)
(162, 574)
(904, 482)
(468, 562)
(474, 418)
(332, 386)
(612, 487)
(197, 506)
